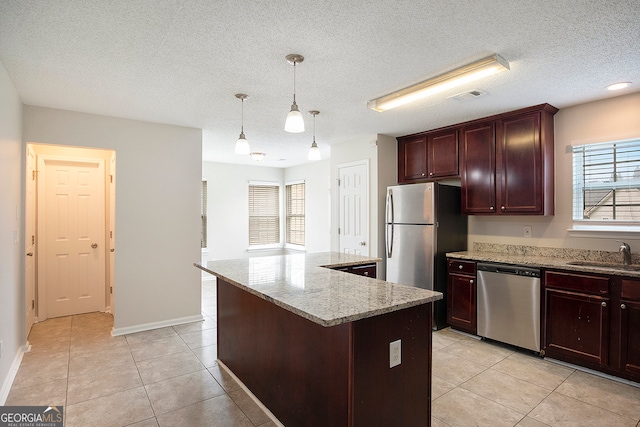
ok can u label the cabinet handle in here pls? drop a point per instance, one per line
(503, 208)
(422, 174)
(604, 304)
(460, 267)
(490, 208)
(430, 173)
(471, 281)
(366, 273)
(623, 306)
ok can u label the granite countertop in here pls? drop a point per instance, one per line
(558, 259)
(301, 284)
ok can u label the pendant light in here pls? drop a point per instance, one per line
(242, 145)
(314, 151)
(294, 122)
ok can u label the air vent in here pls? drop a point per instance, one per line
(465, 96)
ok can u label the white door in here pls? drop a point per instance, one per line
(112, 228)
(71, 268)
(353, 195)
(30, 241)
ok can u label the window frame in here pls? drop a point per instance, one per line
(288, 244)
(596, 227)
(257, 247)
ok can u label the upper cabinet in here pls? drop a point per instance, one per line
(505, 161)
(412, 158)
(428, 156)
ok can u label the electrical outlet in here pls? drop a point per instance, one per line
(395, 353)
(527, 231)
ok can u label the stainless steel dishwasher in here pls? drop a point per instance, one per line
(509, 304)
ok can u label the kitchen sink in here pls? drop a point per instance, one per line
(598, 264)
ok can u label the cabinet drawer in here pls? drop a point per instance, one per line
(577, 282)
(462, 267)
(631, 289)
(364, 270)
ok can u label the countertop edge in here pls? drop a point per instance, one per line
(541, 262)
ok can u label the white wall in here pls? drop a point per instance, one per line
(157, 210)
(12, 315)
(228, 206)
(317, 180)
(381, 153)
(605, 120)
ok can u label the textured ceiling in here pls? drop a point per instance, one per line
(181, 62)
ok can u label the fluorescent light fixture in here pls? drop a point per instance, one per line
(257, 156)
(458, 77)
(618, 86)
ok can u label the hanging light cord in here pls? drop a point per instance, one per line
(242, 115)
(294, 81)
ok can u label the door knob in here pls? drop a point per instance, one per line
(363, 243)
(623, 306)
(30, 254)
(94, 245)
(113, 250)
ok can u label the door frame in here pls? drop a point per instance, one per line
(365, 163)
(41, 288)
(30, 233)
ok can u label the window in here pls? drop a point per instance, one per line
(203, 215)
(606, 182)
(264, 214)
(295, 214)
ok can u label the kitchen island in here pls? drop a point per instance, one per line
(313, 344)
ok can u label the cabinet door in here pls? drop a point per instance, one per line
(368, 270)
(519, 162)
(412, 158)
(577, 327)
(630, 327)
(442, 154)
(461, 302)
(478, 168)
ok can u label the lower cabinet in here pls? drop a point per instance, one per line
(630, 328)
(461, 295)
(368, 270)
(593, 321)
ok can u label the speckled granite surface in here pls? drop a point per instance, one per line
(300, 284)
(603, 262)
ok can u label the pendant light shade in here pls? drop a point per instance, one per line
(294, 122)
(242, 145)
(314, 151)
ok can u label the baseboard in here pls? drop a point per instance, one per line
(156, 325)
(11, 375)
(251, 395)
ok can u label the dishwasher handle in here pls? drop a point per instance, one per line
(515, 270)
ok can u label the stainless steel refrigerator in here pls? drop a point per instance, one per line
(423, 222)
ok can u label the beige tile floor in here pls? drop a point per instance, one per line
(170, 377)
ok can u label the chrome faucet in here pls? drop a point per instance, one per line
(626, 252)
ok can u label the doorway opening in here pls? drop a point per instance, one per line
(69, 231)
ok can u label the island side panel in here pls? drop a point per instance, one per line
(297, 368)
(401, 395)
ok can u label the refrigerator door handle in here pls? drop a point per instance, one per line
(389, 241)
(389, 207)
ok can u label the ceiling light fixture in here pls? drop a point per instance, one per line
(618, 86)
(466, 74)
(314, 151)
(294, 122)
(257, 156)
(242, 145)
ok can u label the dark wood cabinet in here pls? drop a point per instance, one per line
(461, 295)
(630, 328)
(478, 168)
(369, 270)
(412, 158)
(428, 156)
(507, 163)
(442, 154)
(593, 321)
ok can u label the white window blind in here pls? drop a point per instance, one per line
(203, 215)
(295, 214)
(264, 214)
(606, 182)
